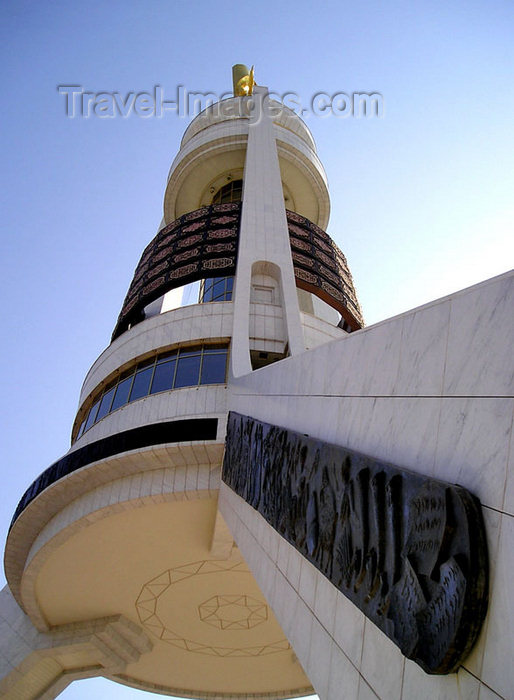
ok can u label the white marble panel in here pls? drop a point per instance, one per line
(293, 571)
(487, 694)
(308, 580)
(422, 686)
(481, 337)
(265, 572)
(283, 604)
(423, 351)
(325, 603)
(317, 666)
(301, 632)
(472, 446)
(326, 370)
(282, 558)
(317, 417)
(349, 629)
(365, 691)
(468, 685)
(343, 681)
(382, 662)
(399, 430)
(270, 542)
(508, 502)
(374, 364)
(498, 669)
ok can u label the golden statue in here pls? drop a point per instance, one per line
(243, 80)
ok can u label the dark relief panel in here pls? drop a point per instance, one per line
(408, 550)
(203, 243)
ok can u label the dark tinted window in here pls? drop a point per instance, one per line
(231, 192)
(81, 429)
(214, 368)
(216, 289)
(105, 404)
(163, 376)
(122, 393)
(207, 293)
(141, 383)
(92, 415)
(188, 371)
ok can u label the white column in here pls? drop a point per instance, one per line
(264, 234)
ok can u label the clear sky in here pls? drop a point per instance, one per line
(422, 198)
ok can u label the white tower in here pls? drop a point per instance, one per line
(118, 561)
(348, 502)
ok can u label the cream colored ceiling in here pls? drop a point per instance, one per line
(212, 629)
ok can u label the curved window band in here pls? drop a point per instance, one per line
(175, 369)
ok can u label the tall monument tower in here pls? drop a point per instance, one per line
(261, 496)
(118, 555)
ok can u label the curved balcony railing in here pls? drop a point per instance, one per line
(137, 438)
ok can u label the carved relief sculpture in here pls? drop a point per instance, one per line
(408, 550)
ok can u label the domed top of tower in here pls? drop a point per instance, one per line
(212, 154)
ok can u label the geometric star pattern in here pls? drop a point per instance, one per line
(233, 612)
(227, 609)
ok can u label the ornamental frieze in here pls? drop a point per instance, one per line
(208, 239)
(408, 550)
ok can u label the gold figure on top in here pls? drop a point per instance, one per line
(243, 80)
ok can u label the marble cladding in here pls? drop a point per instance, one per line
(317, 331)
(336, 644)
(283, 116)
(266, 324)
(431, 391)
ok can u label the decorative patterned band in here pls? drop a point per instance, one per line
(200, 244)
(204, 244)
(321, 268)
(408, 550)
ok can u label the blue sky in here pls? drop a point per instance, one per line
(422, 198)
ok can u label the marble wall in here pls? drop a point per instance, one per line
(430, 390)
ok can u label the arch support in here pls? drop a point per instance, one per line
(39, 665)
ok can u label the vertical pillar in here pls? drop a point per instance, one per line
(264, 234)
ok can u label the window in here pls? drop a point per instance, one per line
(122, 392)
(141, 383)
(92, 415)
(188, 366)
(163, 375)
(216, 289)
(231, 192)
(105, 404)
(214, 365)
